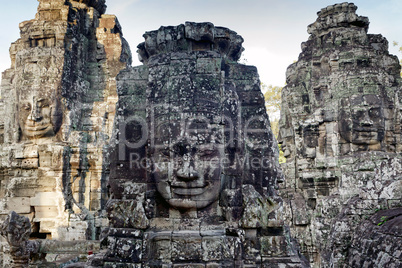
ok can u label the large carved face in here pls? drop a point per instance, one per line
(187, 166)
(39, 114)
(361, 120)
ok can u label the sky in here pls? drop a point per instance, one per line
(273, 30)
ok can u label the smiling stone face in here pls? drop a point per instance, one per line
(362, 120)
(39, 115)
(187, 166)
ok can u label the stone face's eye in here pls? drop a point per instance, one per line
(26, 107)
(165, 153)
(207, 153)
(44, 105)
(375, 112)
(358, 114)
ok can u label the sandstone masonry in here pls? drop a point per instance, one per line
(173, 163)
(59, 96)
(340, 130)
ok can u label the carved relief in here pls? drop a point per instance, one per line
(191, 182)
(362, 119)
(40, 114)
(59, 104)
(338, 111)
(195, 155)
(16, 229)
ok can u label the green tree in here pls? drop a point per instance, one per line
(272, 98)
(396, 44)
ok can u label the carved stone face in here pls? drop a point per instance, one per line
(286, 140)
(39, 115)
(187, 166)
(361, 120)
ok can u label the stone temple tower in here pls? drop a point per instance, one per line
(340, 130)
(174, 160)
(195, 165)
(57, 110)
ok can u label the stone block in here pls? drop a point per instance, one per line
(47, 226)
(45, 159)
(30, 151)
(121, 265)
(273, 246)
(22, 186)
(186, 247)
(209, 65)
(95, 184)
(226, 264)
(159, 246)
(182, 67)
(252, 250)
(215, 248)
(129, 249)
(30, 163)
(43, 199)
(21, 205)
(47, 183)
(18, 152)
(44, 212)
(127, 214)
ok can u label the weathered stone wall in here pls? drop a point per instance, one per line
(1, 121)
(340, 130)
(59, 104)
(186, 139)
(377, 241)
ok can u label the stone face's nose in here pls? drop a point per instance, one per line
(366, 120)
(36, 112)
(186, 167)
(187, 172)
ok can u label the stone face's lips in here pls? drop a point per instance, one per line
(37, 128)
(37, 131)
(188, 191)
(368, 130)
(190, 188)
(188, 185)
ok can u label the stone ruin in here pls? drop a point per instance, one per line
(57, 110)
(194, 167)
(340, 130)
(188, 168)
(173, 163)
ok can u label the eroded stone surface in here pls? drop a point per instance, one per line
(16, 230)
(340, 130)
(57, 110)
(193, 162)
(377, 241)
(195, 167)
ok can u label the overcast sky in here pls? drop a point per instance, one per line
(272, 29)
